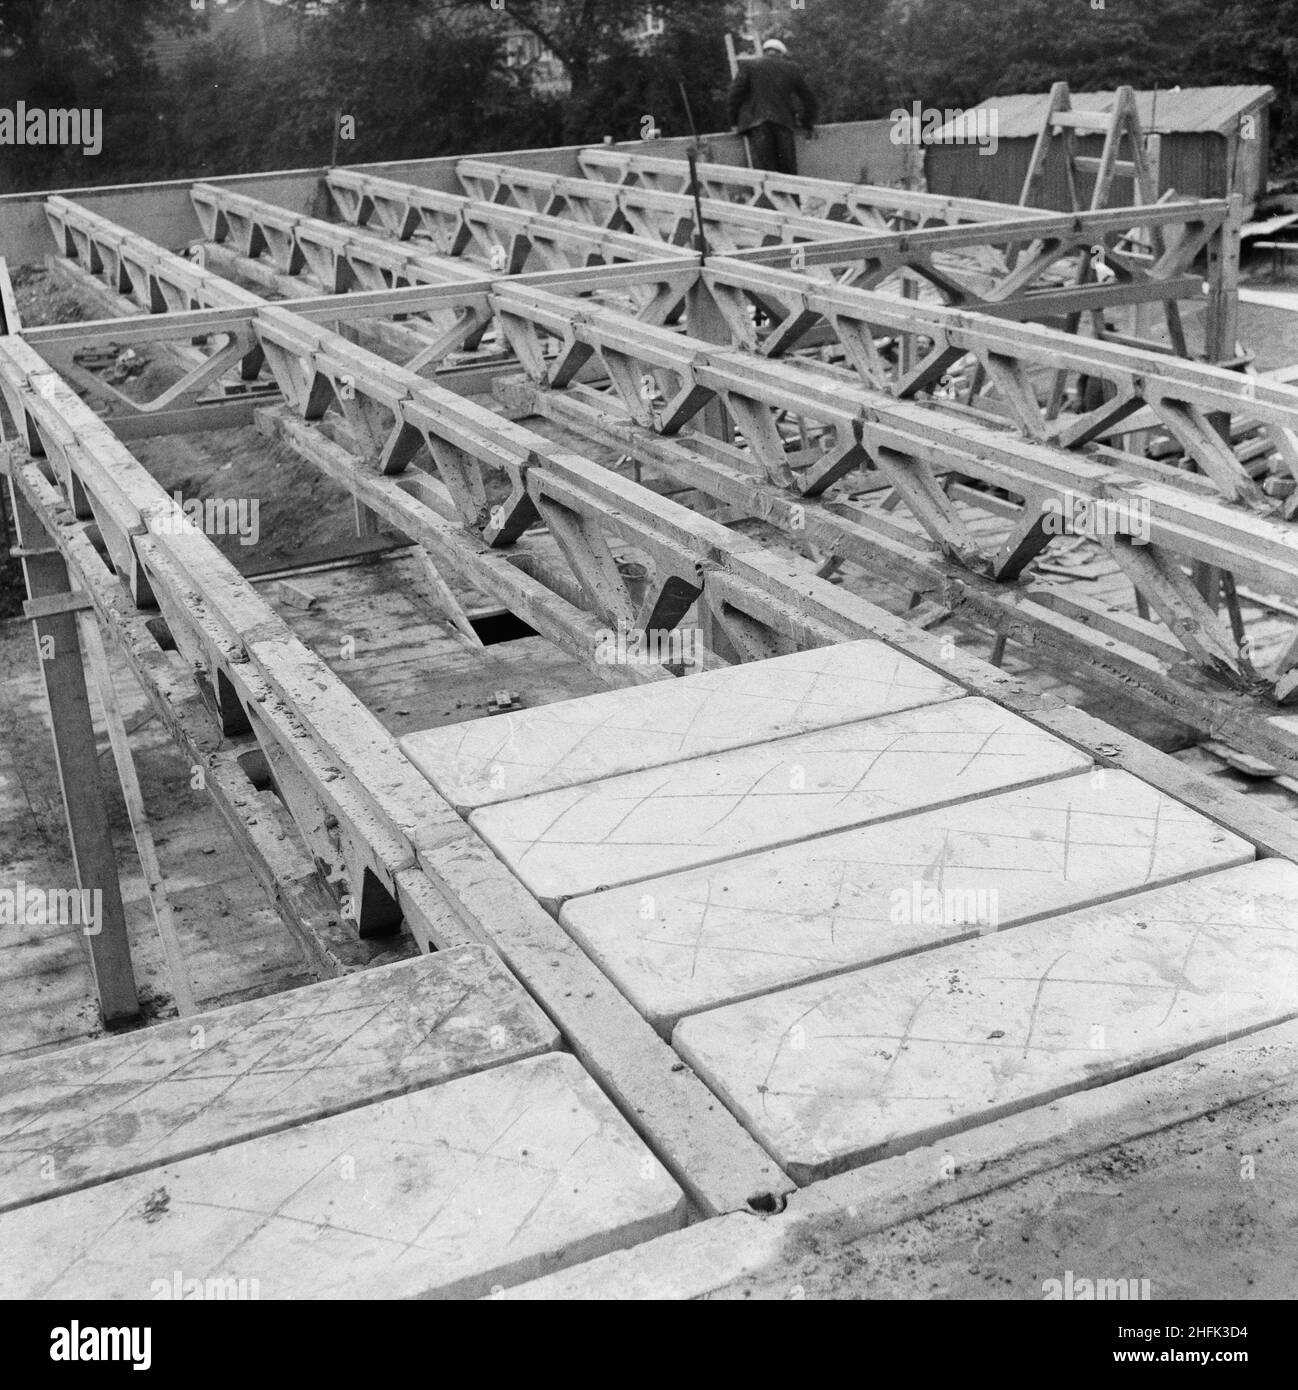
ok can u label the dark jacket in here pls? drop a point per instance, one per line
(771, 88)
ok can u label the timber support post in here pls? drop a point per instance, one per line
(58, 647)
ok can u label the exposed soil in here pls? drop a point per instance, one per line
(1203, 1210)
(1271, 335)
(293, 507)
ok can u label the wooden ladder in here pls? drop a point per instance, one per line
(1119, 123)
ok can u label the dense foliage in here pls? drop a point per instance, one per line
(428, 77)
(416, 78)
(952, 53)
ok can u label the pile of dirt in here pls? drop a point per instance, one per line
(276, 506)
(41, 300)
(282, 504)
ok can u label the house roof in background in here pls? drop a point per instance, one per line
(1185, 111)
(248, 22)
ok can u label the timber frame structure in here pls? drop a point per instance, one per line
(812, 345)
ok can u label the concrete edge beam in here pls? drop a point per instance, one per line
(710, 1255)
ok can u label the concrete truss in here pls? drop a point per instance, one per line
(807, 335)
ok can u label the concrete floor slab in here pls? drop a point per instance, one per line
(982, 1195)
(834, 1074)
(625, 829)
(616, 731)
(445, 1192)
(115, 1106)
(743, 927)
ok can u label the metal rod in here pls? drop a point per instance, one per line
(700, 237)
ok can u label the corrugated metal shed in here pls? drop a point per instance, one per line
(1204, 148)
(1179, 111)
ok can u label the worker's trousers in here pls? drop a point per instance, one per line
(772, 148)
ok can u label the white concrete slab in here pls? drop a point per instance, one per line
(117, 1105)
(445, 1192)
(831, 1075)
(574, 741)
(1034, 1145)
(578, 839)
(743, 927)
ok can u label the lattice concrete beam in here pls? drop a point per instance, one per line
(355, 798)
(755, 389)
(1015, 253)
(870, 204)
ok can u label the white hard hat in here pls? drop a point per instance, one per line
(774, 46)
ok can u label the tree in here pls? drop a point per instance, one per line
(413, 84)
(848, 48)
(657, 83)
(577, 32)
(55, 42)
(595, 39)
(1254, 41)
(956, 53)
(92, 54)
(405, 84)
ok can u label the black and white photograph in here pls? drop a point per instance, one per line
(648, 654)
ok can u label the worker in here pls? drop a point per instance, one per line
(768, 98)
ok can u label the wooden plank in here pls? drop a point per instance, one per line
(118, 1106)
(53, 604)
(575, 741)
(182, 990)
(58, 650)
(643, 824)
(1120, 168)
(445, 1192)
(271, 845)
(820, 907)
(331, 556)
(1082, 120)
(255, 819)
(928, 1046)
(214, 415)
(10, 319)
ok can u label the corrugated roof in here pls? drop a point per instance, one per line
(1178, 111)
